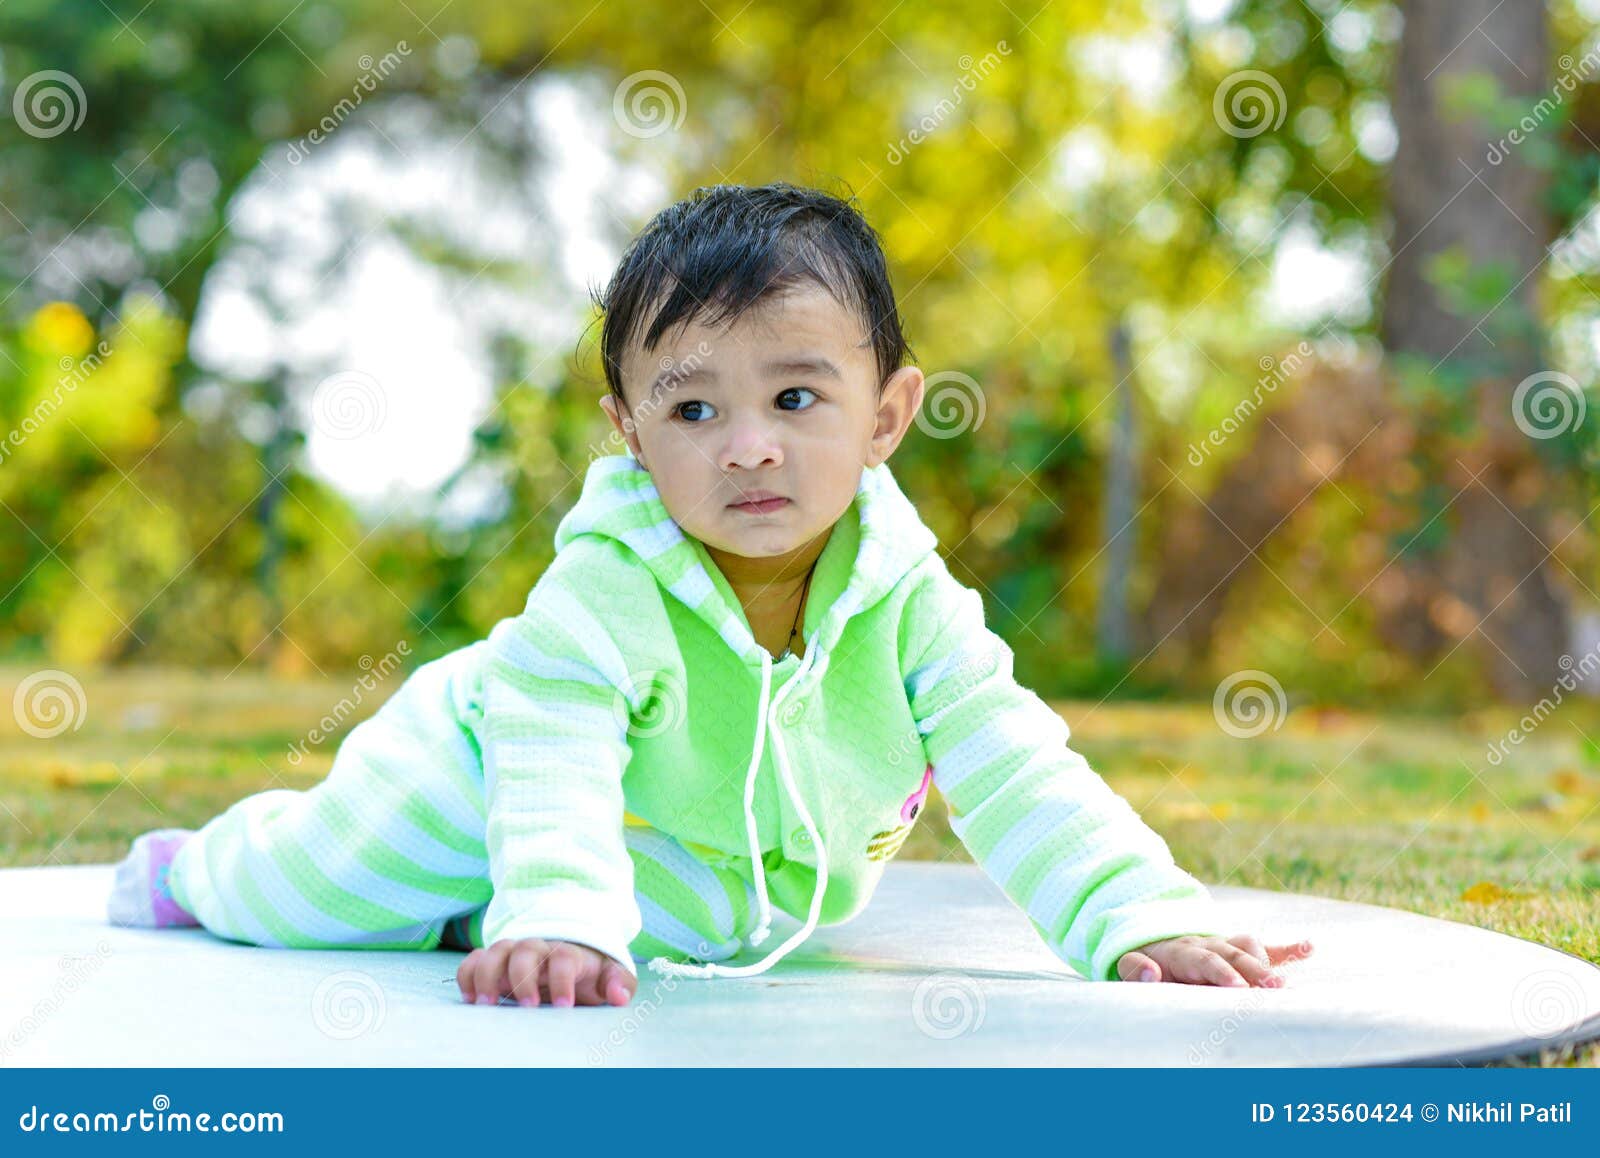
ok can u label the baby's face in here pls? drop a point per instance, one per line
(783, 403)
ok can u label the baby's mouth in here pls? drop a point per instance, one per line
(760, 506)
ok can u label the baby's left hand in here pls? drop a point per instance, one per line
(1238, 960)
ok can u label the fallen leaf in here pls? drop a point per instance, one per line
(1489, 893)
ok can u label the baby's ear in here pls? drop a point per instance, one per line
(897, 408)
(623, 424)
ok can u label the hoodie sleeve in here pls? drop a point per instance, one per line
(1093, 879)
(554, 750)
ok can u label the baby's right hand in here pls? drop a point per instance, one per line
(566, 971)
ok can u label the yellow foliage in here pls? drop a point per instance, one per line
(59, 329)
(1489, 893)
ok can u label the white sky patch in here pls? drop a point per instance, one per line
(1210, 11)
(1080, 160)
(1312, 284)
(414, 340)
(1141, 65)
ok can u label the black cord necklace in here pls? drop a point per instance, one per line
(788, 648)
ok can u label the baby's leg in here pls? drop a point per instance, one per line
(689, 907)
(380, 855)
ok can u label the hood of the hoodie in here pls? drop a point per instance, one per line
(620, 501)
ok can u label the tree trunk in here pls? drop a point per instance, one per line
(1455, 191)
(1114, 624)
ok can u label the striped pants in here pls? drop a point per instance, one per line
(388, 851)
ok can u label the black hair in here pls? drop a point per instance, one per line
(725, 248)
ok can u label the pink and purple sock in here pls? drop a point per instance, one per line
(141, 895)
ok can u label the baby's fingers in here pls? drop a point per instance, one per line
(527, 961)
(1134, 966)
(481, 974)
(1199, 966)
(616, 984)
(567, 964)
(604, 982)
(1284, 953)
(1249, 965)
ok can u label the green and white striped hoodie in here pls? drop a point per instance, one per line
(631, 687)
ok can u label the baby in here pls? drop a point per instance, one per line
(729, 693)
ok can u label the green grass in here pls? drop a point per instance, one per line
(1387, 810)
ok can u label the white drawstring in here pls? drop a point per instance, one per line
(763, 905)
(711, 969)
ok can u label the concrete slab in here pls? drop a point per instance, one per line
(940, 970)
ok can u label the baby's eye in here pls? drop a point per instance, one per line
(694, 411)
(794, 390)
